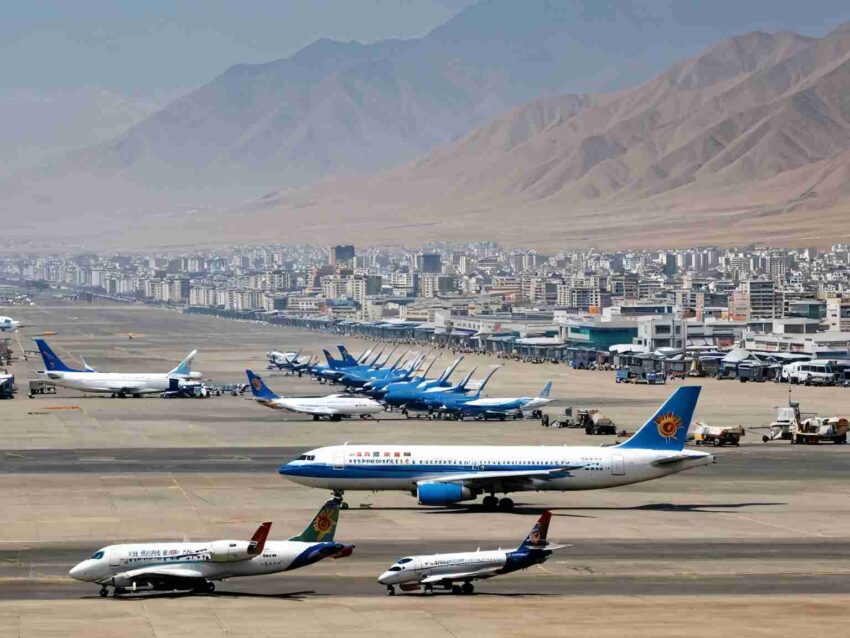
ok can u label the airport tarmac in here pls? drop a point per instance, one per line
(758, 541)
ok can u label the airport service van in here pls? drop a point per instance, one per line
(815, 372)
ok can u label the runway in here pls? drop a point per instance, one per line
(757, 461)
(146, 460)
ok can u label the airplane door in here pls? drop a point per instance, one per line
(618, 465)
(114, 557)
(339, 460)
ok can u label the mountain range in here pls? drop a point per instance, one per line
(748, 136)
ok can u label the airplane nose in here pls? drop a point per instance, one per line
(78, 572)
(386, 578)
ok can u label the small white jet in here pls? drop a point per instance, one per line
(7, 324)
(193, 566)
(120, 384)
(455, 572)
(332, 407)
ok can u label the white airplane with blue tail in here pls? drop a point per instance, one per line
(447, 475)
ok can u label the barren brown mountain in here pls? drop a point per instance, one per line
(749, 141)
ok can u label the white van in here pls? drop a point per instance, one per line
(815, 372)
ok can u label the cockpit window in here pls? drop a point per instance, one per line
(97, 555)
(306, 457)
(395, 568)
(404, 560)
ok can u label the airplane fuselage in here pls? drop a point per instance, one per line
(404, 467)
(116, 564)
(112, 382)
(331, 405)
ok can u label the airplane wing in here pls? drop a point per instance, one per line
(482, 477)
(163, 571)
(480, 573)
(129, 386)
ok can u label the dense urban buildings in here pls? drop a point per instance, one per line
(792, 300)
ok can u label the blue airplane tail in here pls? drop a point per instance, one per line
(668, 428)
(258, 388)
(51, 360)
(347, 359)
(333, 364)
(546, 390)
(536, 538)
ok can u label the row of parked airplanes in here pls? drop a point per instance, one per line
(377, 383)
(437, 475)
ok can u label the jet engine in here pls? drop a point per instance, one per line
(443, 493)
(223, 551)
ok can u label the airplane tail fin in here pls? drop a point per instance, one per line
(323, 526)
(333, 364)
(448, 372)
(51, 360)
(484, 381)
(347, 359)
(544, 394)
(184, 368)
(258, 540)
(259, 389)
(536, 538)
(462, 385)
(668, 428)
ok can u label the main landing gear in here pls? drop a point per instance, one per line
(467, 588)
(491, 504)
(338, 496)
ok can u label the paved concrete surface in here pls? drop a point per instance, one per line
(757, 543)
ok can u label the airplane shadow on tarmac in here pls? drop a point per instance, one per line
(296, 596)
(521, 510)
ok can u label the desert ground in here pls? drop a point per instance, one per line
(756, 543)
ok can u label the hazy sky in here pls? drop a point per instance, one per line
(143, 46)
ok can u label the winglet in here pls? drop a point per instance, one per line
(536, 538)
(258, 540)
(259, 389)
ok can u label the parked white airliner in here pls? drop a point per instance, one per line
(446, 475)
(7, 324)
(193, 565)
(119, 384)
(332, 407)
(447, 570)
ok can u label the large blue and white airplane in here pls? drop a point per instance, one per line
(379, 387)
(449, 401)
(399, 394)
(499, 407)
(335, 367)
(446, 475)
(357, 378)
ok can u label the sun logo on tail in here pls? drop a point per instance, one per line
(322, 524)
(257, 384)
(668, 425)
